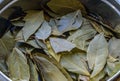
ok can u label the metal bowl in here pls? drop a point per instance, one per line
(108, 9)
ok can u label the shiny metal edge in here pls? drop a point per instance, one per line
(114, 76)
(112, 6)
(3, 77)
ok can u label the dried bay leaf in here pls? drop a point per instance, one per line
(51, 51)
(99, 76)
(74, 63)
(41, 44)
(18, 67)
(33, 71)
(54, 62)
(44, 31)
(71, 21)
(80, 37)
(49, 70)
(114, 47)
(19, 37)
(33, 22)
(97, 54)
(63, 7)
(18, 23)
(33, 43)
(7, 43)
(53, 24)
(101, 29)
(61, 45)
(112, 67)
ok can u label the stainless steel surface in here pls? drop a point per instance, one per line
(4, 77)
(117, 75)
(108, 9)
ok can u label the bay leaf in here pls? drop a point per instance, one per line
(24, 47)
(74, 63)
(41, 44)
(53, 24)
(33, 72)
(112, 67)
(7, 43)
(98, 77)
(33, 22)
(63, 7)
(18, 23)
(49, 70)
(19, 37)
(101, 29)
(71, 21)
(61, 45)
(80, 37)
(114, 47)
(54, 62)
(51, 51)
(33, 43)
(18, 67)
(97, 54)
(44, 31)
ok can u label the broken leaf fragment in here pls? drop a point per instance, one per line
(97, 54)
(44, 31)
(61, 45)
(71, 21)
(33, 22)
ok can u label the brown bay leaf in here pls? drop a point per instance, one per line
(97, 54)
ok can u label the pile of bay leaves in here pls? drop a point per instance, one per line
(60, 45)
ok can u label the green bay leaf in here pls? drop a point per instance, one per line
(18, 67)
(97, 54)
